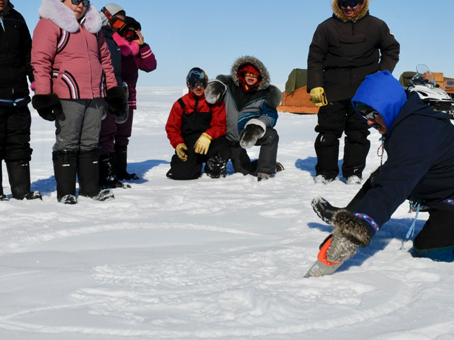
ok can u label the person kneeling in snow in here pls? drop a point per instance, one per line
(196, 130)
(251, 115)
(420, 167)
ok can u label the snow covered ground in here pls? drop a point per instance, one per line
(207, 259)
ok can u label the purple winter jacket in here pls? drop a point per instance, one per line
(133, 59)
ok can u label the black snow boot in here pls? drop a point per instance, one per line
(88, 172)
(122, 163)
(108, 172)
(65, 170)
(19, 179)
(216, 167)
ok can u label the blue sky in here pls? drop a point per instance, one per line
(211, 34)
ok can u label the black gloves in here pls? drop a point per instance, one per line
(47, 105)
(116, 99)
(250, 135)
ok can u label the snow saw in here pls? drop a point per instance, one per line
(322, 266)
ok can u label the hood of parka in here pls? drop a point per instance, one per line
(339, 14)
(64, 18)
(240, 62)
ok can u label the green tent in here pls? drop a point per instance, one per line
(296, 79)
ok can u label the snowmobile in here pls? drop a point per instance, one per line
(424, 84)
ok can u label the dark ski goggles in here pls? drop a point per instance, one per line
(115, 21)
(196, 84)
(84, 3)
(370, 114)
(351, 4)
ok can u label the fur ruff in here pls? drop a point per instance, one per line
(351, 228)
(273, 97)
(64, 18)
(266, 80)
(339, 14)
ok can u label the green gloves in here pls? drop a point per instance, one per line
(181, 152)
(318, 96)
(203, 144)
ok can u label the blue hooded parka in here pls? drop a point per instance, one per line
(420, 146)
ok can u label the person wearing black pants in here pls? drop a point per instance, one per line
(15, 119)
(345, 48)
(196, 130)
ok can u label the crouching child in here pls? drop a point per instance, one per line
(196, 130)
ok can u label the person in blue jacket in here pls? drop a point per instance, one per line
(420, 167)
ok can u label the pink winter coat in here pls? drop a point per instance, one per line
(69, 58)
(133, 59)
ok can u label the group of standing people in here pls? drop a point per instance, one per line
(83, 66)
(82, 83)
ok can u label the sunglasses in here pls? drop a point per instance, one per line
(348, 4)
(370, 114)
(250, 74)
(115, 21)
(84, 3)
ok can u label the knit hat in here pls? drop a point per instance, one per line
(113, 9)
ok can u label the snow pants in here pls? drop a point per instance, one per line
(333, 120)
(436, 238)
(192, 168)
(79, 126)
(114, 134)
(267, 156)
(15, 123)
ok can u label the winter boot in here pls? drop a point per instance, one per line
(19, 179)
(122, 163)
(108, 172)
(216, 167)
(65, 170)
(2, 196)
(88, 172)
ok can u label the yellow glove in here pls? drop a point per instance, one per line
(318, 96)
(181, 152)
(203, 143)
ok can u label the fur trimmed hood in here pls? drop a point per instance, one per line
(64, 18)
(340, 15)
(238, 63)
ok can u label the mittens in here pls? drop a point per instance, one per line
(47, 105)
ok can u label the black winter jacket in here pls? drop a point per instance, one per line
(343, 53)
(115, 53)
(15, 49)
